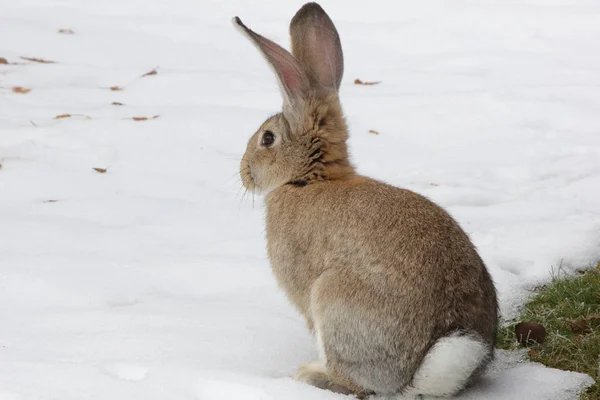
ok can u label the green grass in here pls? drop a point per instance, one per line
(557, 306)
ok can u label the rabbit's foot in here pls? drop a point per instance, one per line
(316, 374)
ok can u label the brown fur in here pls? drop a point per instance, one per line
(381, 273)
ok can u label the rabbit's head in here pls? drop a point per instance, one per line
(306, 141)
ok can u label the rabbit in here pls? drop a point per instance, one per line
(395, 293)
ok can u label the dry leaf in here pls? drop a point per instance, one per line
(101, 170)
(144, 118)
(359, 82)
(594, 321)
(116, 103)
(532, 353)
(38, 60)
(579, 325)
(153, 72)
(19, 89)
(61, 116)
(50, 201)
(3, 60)
(115, 88)
(66, 31)
(374, 132)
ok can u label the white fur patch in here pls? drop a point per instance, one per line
(448, 365)
(320, 346)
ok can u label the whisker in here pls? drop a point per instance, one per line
(231, 177)
(238, 192)
(238, 181)
(240, 205)
(242, 202)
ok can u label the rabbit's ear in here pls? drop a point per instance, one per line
(292, 79)
(317, 47)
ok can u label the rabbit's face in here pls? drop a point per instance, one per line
(307, 141)
(273, 156)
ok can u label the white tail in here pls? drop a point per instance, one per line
(448, 365)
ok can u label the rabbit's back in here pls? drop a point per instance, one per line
(400, 260)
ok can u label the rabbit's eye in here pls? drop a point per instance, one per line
(268, 139)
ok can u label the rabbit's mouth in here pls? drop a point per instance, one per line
(248, 180)
(252, 183)
(247, 176)
(261, 176)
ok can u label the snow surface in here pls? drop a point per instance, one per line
(150, 281)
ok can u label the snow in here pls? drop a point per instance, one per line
(150, 281)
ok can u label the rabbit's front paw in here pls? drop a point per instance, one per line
(316, 374)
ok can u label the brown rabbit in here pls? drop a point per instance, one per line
(398, 299)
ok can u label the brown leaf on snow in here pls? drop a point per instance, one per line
(3, 60)
(153, 72)
(366, 83)
(116, 103)
(19, 89)
(373, 131)
(50, 201)
(62, 116)
(101, 170)
(66, 31)
(115, 88)
(144, 118)
(38, 60)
